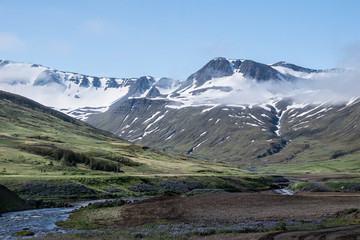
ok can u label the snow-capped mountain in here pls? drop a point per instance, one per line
(75, 94)
(232, 110)
(242, 111)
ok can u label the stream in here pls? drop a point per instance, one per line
(41, 221)
(284, 191)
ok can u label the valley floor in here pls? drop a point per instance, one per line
(339, 233)
(236, 207)
(224, 209)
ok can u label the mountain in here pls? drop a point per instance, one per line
(232, 110)
(75, 94)
(38, 143)
(243, 112)
(222, 67)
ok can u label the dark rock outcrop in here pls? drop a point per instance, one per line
(10, 201)
(50, 190)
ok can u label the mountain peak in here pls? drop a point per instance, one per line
(220, 59)
(222, 67)
(216, 68)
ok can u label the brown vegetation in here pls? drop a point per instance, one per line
(236, 207)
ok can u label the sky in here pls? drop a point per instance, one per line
(162, 38)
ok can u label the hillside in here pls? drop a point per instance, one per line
(231, 110)
(38, 135)
(246, 113)
(40, 146)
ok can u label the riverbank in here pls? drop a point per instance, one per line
(235, 207)
(41, 222)
(214, 216)
(99, 187)
(195, 206)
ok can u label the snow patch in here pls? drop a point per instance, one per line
(152, 117)
(199, 144)
(202, 134)
(352, 101)
(252, 124)
(168, 138)
(147, 133)
(208, 109)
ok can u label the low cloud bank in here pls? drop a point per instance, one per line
(333, 87)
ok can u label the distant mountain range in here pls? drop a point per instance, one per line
(75, 94)
(240, 111)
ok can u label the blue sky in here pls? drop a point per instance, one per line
(175, 38)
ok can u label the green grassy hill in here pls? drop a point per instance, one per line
(244, 137)
(41, 145)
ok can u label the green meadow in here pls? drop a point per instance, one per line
(40, 145)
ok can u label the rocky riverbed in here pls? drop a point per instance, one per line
(42, 221)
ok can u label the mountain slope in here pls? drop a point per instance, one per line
(38, 141)
(242, 112)
(320, 132)
(75, 94)
(233, 110)
(250, 136)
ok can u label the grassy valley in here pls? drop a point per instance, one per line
(47, 155)
(39, 145)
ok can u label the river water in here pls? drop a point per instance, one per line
(284, 191)
(40, 221)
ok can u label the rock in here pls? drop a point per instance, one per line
(143, 188)
(50, 190)
(46, 203)
(10, 201)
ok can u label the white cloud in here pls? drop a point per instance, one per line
(10, 42)
(331, 87)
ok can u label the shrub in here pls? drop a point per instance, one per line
(105, 165)
(281, 226)
(143, 188)
(24, 233)
(181, 186)
(106, 204)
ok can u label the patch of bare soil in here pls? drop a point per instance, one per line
(236, 207)
(323, 177)
(338, 233)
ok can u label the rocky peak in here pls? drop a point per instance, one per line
(216, 68)
(3, 62)
(259, 71)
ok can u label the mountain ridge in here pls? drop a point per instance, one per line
(234, 110)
